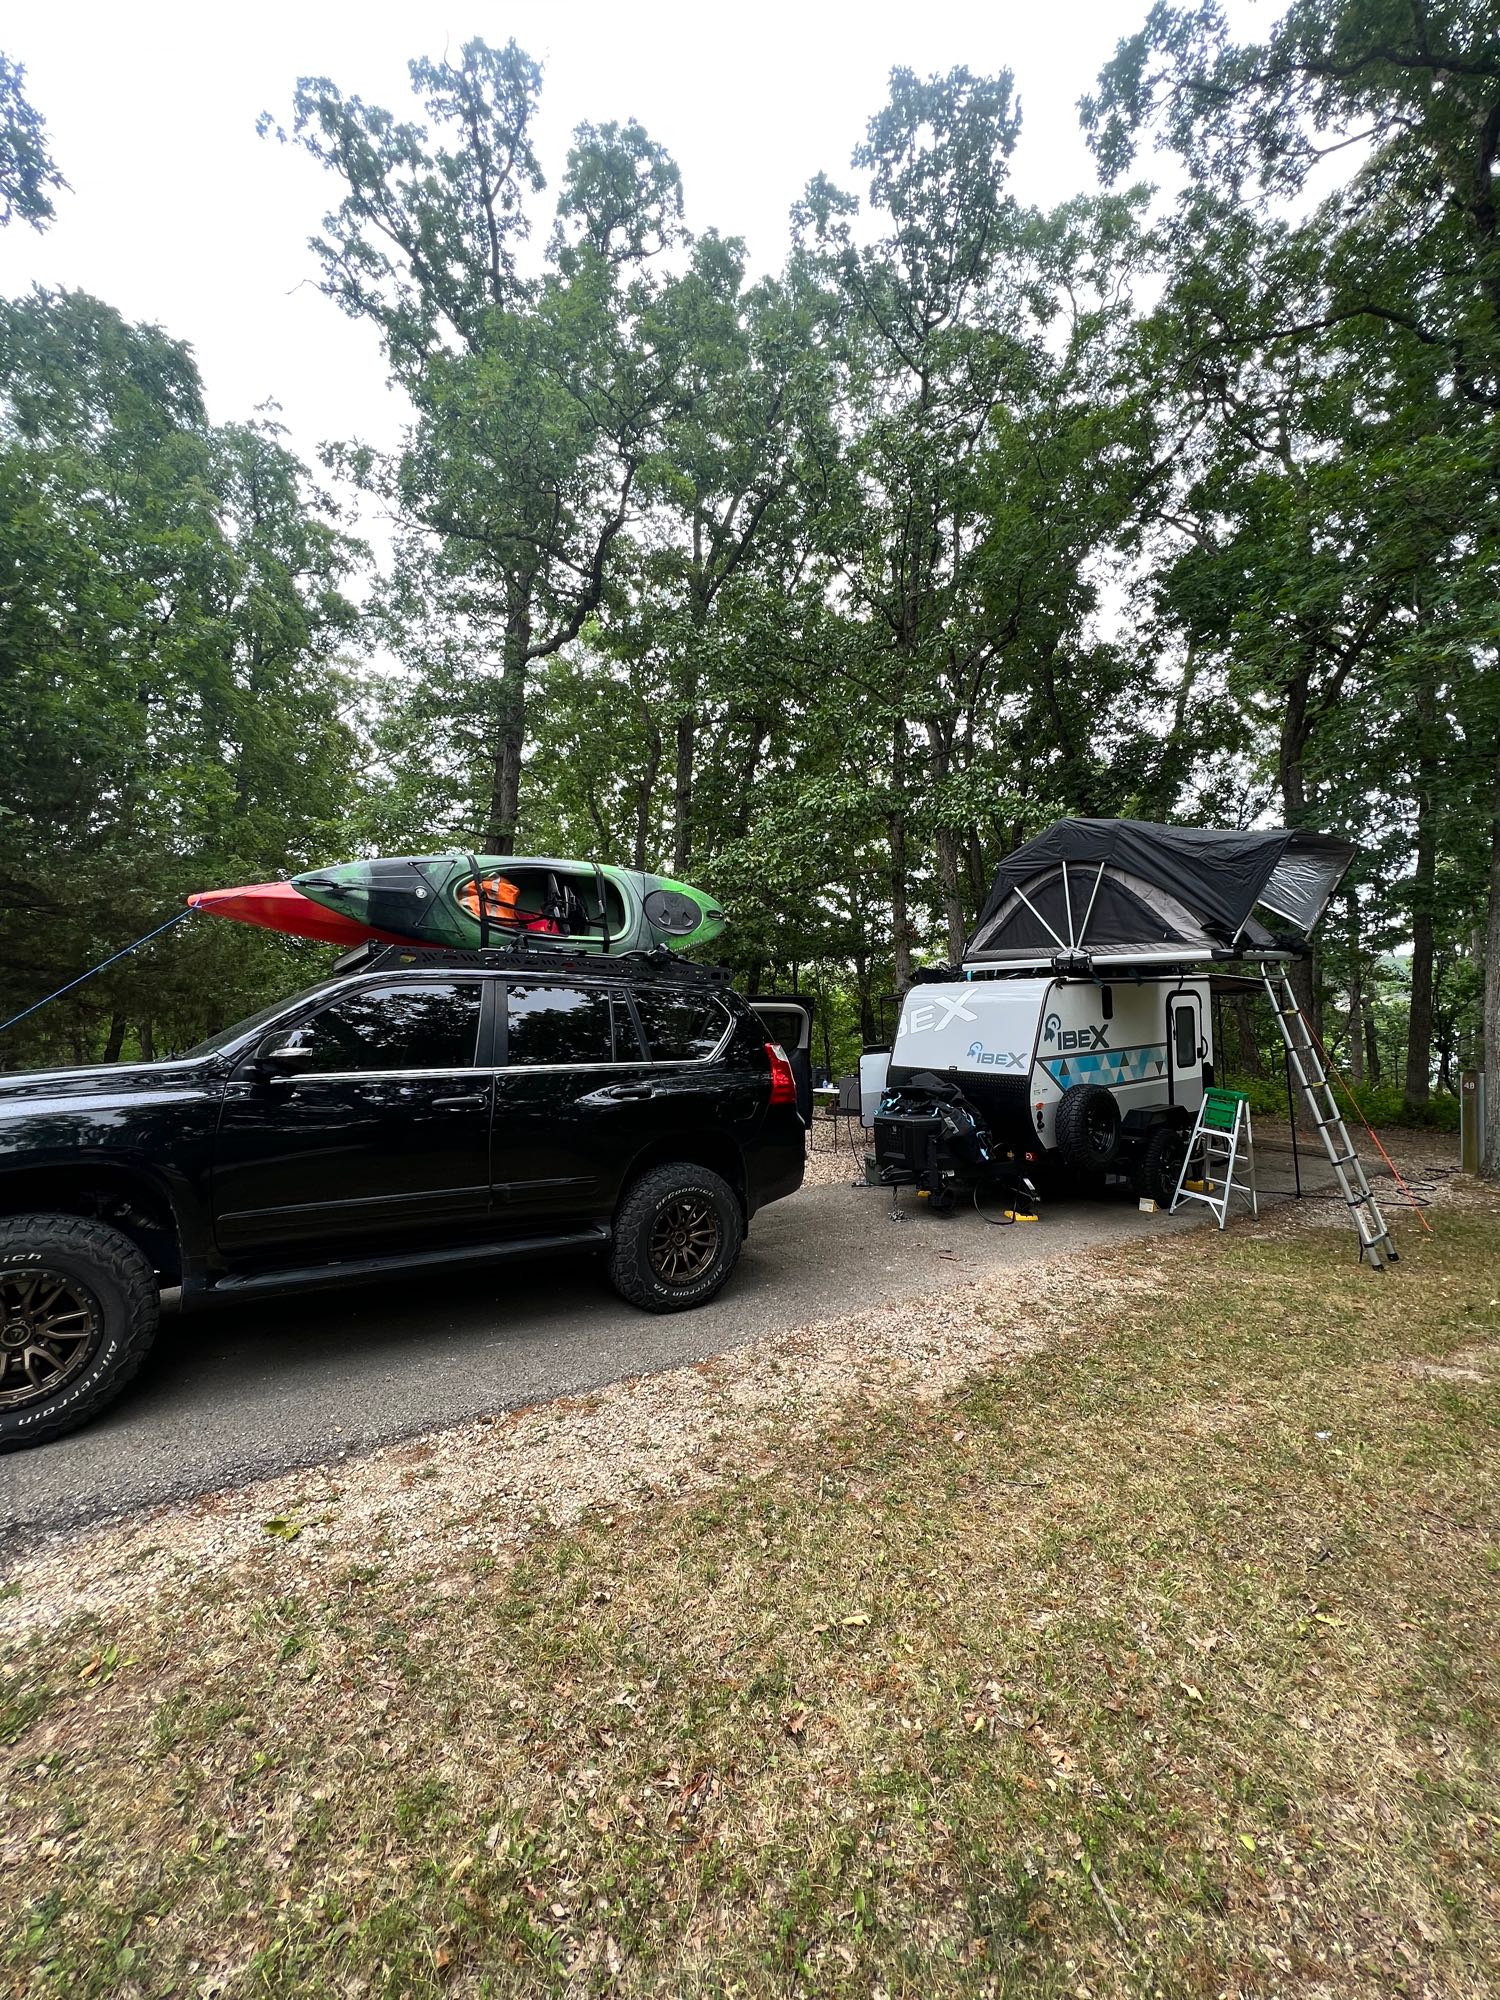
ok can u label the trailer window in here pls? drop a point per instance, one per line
(1185, 1023)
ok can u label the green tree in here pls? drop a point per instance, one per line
(170, 620)
(537, 395)
(28, 174)
(1382, 295)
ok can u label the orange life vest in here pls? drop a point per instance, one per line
(502, 905)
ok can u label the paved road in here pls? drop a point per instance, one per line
(257, 1388)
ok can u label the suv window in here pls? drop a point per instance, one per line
(564, 1024)
(431, 1026)
(681, 1027)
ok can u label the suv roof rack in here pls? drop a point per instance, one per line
(658, 965)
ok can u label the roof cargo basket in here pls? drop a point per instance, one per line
(660, 965)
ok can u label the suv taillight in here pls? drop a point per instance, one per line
(783, 1083)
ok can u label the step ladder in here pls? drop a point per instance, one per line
(1376, 1244)
(1220, 1137)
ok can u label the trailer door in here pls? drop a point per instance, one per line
(1186, 1050)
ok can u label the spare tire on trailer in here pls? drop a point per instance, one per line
(1088, 1128)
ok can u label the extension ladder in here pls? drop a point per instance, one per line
(1220, 1132)
(1375, 1240)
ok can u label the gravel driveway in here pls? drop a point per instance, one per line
(250, 1390)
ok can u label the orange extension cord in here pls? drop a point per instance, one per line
(1334, 1071)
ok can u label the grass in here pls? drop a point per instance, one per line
(1163, 1663)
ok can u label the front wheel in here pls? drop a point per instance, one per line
(677, 1238)
(79, 1308)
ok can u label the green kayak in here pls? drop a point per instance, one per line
(468, 901)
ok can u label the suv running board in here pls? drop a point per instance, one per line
(352, 1270)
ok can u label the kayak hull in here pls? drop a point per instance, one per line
(465, 902)
(277, 906)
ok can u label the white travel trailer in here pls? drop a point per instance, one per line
(1077, 1034)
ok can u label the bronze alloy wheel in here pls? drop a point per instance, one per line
(49, 1327)
(685, 1239)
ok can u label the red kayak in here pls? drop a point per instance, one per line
(277, 906)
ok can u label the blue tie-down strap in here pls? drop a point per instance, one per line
(103, 965)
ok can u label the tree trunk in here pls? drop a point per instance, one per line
(979, 884)
(510, 736)
(896, 835)
(147, 1036)
(1296, 728)
(682, 793)
(643, 799)
(866, 1008)
(940, 743)
(1356, 994)
(1372, 1049)
(953, 908)
(760, 729)
(1491, 1136)
(1248, 1060)
(114, 1041)
(1419, 1020)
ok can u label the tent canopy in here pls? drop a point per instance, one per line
(1121, 887)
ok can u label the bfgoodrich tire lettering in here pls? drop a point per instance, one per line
(676, 1239)
(116, 1290)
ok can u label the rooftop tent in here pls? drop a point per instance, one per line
(1122, 887)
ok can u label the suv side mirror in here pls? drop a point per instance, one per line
(286, 1050)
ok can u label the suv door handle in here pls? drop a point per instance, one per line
(459, 1103)
(624, 1090)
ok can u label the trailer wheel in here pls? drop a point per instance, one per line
(1088, 1128)
(1161, 1162)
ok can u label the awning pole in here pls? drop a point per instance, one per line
(1068, 906)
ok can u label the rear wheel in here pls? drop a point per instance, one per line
(1088, 1128)
(79, 1309)
(677, 1237)
(1161, 1163)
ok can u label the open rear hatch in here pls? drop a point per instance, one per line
(788, 1019)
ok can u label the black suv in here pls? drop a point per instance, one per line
(418, 1110)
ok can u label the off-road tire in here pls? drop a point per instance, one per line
(125, 1304)
(1088, 1128)
(646, 1216)
(1160, 1164)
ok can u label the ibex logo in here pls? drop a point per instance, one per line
(1002, 1058)
(1072, 1038)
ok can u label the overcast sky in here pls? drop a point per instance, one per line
(181, 215)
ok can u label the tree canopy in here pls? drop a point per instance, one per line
(827, 585)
